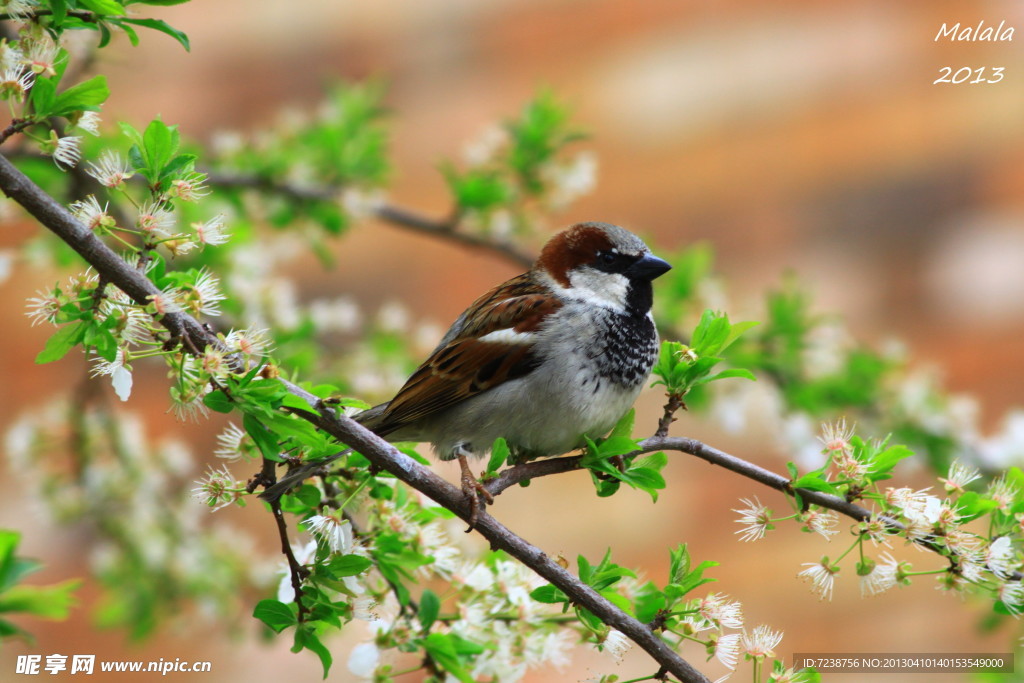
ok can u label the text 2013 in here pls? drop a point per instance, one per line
(965, 74)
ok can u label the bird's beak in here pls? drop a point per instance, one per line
(648, 268)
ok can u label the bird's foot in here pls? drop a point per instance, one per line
(476, 493)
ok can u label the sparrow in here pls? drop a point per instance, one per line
(545, 360)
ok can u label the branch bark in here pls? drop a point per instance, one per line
(384, 455)
(392, 214)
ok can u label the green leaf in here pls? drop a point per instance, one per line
(275, 614)
(163, 27)
(348, 565)
(9, 630)
(160, 3)
(679, 563)
(736, 330)
(306, 638)
(887, 459)
(813, 482)
(101, 340)
(499, 454)
(478, 190)
(102, 6)
(60, 12)
(62, 341)
(645, 479)
(262, 437)
(44, 92)
(972, 505)
(605, 487)
(159, 143)
(430, 607)
(87, 95)
(12, 568)
(624, 427)
(617, 445)
(732, 372)
(549, 595)
(218, 401)
(654, 461)
(445, 649)
(290, 400)
(45, 602)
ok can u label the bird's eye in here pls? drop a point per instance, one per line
(607, 257)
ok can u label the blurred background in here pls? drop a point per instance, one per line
(803, 137)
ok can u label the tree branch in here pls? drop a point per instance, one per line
(109, 265)
(389, 213)
(542, 468)
(385, 456)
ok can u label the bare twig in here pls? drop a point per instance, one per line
(395, 215)
(15, 126)
(296, 571)
(710, 454)
(675, 402)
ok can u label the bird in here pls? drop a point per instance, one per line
(544, 360)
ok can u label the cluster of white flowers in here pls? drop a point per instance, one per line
(110, 472)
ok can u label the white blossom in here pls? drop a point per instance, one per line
(821, 576)
(616, 644)
(881, 578)
(212, 232)
(89, 122)
(15, 81)
(67, 152)
(363, 660)
(120, 374)
(229, 442)
(111, 170)
(959, 476)
(762, 642)
(727, 649)
(756, 518)
(336, 533)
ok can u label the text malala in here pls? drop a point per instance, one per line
(982, 31)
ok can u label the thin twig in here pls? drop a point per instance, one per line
(542, 468)
(15, 126)
(295, 570)
(675, 402)
(390, 213)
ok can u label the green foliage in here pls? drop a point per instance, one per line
(608, 469)
(499, 456)
(154, 154)
(649, 603)
(103, 15)
(344, 148)
(537, 135)
(523, 169)
(43, 602)
(478, 189)
(682, 368)
(601, 577)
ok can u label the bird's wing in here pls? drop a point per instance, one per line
(491, 343)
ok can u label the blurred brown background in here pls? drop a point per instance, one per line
(803, 136)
